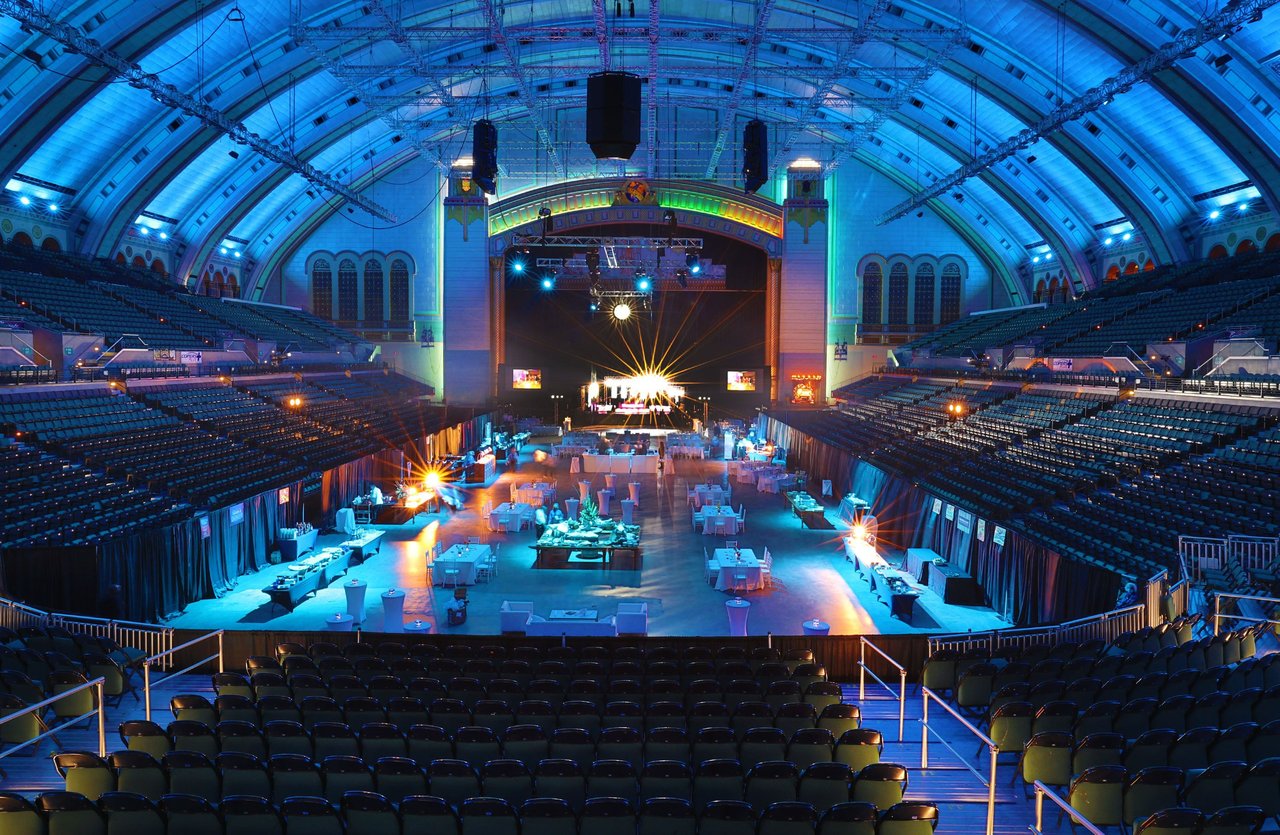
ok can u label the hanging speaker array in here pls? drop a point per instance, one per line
(755, 155)
(484, 156)
(613, 114)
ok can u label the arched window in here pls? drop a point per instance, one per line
(120, 259)
(924, 295)
(399, 292)
(1218, 251)
(1131, 268)
(1053, 290)
(157, 267)
(348, 291)
(22, 239)
(1246, 246)
(1040, 296)
(322, 289)
(1273, 243)
(373, 310)
(1149, 266)
(950, 293)
(1113, 272)
(233, 287)
(871, 293)
(898, 294)
(138, 262)
(50, 244)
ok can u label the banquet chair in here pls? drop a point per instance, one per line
(742, 517)
(694, 518)
(450, 575)
(486, 507)
(721, 526)
(740, 582)
(692, 496)
(731, 544)
(712, 566)
(766, 569)
(473, 540)
(716, 496)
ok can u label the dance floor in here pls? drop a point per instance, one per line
(812, 579)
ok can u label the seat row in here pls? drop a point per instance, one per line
(855, 747)
(1196, 748)
(492, 654)
(821, 785)
(369, 813)
(1109, 795)
(470, 691)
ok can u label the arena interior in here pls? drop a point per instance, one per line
(670, 417)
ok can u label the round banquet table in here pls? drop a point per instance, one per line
(738, 610)
(393, 610)
(338, 622)
(355, 598)
(816, 627)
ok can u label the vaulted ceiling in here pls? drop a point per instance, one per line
(912, 89)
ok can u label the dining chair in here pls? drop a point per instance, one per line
(486, 508)
(731, 544)
(721, 526)
(742, 517)
(473, 540)
(740, 582)
(692, 497)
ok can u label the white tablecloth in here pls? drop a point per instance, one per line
(535, 495)
(728, 566)
(644, 464)
(345, 521)
(510, 517)
(570, 449)
(627, 463)
(708, 517)
(686, 451)
(463, 558)
(705, 495)
(770, 482)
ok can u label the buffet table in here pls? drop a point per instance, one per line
(364, 543)
(619, 463)
(291, 549)
(808, 509)
(954, 586)
(604, 544)
(309, 575)
(485, 468)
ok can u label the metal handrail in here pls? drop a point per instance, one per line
(1043, 791)
(994, 750)
(996, 639)
(147, 637)
(100, 709)
(1218, 615)
(863, 670)
(151, 659)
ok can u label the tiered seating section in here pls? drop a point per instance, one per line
(556, 741)
(93, 461)
(1157, 721)
(138, 309)
(1103, 478)
(1131, 316)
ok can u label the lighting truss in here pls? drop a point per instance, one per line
(1232, 17)
(74, 39)
(581, 242)
(763, 10)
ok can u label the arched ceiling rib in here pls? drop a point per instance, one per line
(1194, 129)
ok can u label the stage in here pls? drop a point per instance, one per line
(812, 577)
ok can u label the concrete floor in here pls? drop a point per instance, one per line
(811, 576)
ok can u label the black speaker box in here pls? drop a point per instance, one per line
(484, 156)
(613, 114)
(755, 155)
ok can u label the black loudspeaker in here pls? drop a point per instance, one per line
(484, 156)
(755, 155)
(613, 114)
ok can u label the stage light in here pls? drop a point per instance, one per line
(432, 480)
(1128, 236)
(643, 284)
(1108, 241)
(517, 266)
(860, 532)
(164, 236)
(693, 260)
(682, 278)
(24, 200)
(1244, 207)
(1215, 214)
(53, 208)
(622, 311)
(142, 230)
(548, 282)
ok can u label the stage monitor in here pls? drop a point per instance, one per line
(526, 378)
(741, 381)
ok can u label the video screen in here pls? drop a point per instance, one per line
(526, 378)
(742, 381)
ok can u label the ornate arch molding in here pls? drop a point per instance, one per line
(698, 206)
